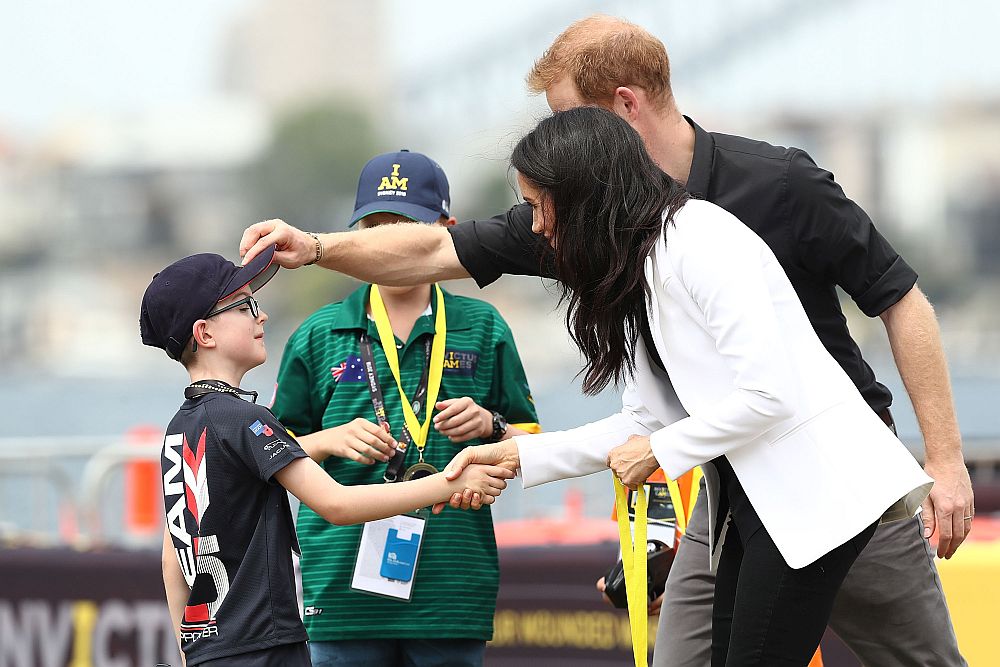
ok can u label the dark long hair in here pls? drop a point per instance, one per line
(609, 199)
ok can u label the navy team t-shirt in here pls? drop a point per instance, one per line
(231, 526)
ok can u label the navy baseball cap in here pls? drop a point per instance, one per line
(187, 291)
(409, 184)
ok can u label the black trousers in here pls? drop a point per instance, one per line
(765, 612)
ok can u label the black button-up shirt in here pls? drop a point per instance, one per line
(821, 238)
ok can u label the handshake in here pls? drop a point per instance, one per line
(633, 462)
(481, 473)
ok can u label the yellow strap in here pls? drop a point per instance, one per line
(680, 508)
(529, 427)
(634, 566)
(696, 476)
(683, 510)
(417, 431)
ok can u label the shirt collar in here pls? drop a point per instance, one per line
(352, 312)
(353, 315)
(701, 165)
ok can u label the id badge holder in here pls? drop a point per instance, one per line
(388, 556)
(662, 516)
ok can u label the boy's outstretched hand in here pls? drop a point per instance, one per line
(481, 483)
(503, 454)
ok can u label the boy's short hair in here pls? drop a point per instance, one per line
(601, 53)
(408, 184)
(187, 291)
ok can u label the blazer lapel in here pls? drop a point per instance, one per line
(653, 384)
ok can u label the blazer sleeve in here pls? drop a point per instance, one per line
(720, 263)
(547, 457)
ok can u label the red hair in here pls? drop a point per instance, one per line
(601, 53)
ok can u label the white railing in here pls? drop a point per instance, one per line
(58, 491)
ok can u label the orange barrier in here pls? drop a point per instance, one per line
(143, 496)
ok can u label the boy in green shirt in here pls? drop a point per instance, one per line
(454, 355)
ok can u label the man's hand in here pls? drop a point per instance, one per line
(915, 340)
(633, 461)
(601, 586)
(654, 606)
(503, 453)
(461, 419)
(294, 248)
(950, 506)
(358, 440)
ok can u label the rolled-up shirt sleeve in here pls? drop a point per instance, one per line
(503, 244)
(836, 238)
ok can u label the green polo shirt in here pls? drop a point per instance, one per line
(321, 384)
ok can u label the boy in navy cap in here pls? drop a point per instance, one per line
(226, 463)
(393, 361)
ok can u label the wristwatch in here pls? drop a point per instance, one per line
(499, 426)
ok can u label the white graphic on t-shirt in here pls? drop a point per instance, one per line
(197, 555)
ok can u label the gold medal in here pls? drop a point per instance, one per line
(418, 470)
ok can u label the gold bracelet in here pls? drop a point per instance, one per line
(319, 248)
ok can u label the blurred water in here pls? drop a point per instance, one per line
(68, 406)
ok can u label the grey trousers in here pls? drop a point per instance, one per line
(890, 610)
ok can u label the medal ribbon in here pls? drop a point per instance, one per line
(634, 567)
(388, 339)
(395, 465)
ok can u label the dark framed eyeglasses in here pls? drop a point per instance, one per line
(248, 301)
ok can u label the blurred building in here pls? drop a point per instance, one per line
(95, 203)
(287, 52)
(899, 102)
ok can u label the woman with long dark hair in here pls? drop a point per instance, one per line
(589, 170)
(686, 307)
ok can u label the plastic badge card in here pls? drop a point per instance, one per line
(661, 513)
(388, 556)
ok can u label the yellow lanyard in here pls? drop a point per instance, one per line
(634, 567)
(417, 431)
(682, 509)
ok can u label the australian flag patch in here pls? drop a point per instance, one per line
(349, 370)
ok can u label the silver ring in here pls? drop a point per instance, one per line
(968, 518)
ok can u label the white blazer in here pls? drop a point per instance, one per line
(748, 378)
